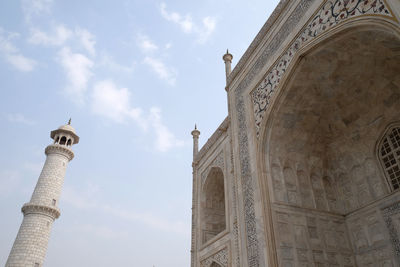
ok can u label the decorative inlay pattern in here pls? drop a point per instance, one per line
(388, 215)
(331, 14)
(221, 257)
(253, 249)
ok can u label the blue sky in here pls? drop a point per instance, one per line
(134, 76)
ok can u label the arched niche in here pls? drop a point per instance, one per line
(339, 98)
(214, 264)
(327, 117)
(213, 217)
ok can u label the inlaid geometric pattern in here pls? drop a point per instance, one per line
(389, 154)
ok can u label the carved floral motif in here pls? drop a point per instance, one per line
(221, 257)
(331, 14)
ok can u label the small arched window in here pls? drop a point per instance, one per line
(69, 142)
(389, 155)
(213, 219)
(63, 140)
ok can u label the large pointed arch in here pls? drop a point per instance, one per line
(284, 132)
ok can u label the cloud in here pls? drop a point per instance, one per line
(33, 8)
(21, 62)
(58, 37)
(163, 72)
(165, 139)
(185, 22)
(19, 118)
(11, 53)
(108, 62)
(146, 44)
(60, 34)
(87, 40)
(209, 24)
(203, 32)
(113, 103)
(78, 70)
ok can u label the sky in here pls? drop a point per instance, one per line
(134, 76)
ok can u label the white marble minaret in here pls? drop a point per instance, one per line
(30, 245)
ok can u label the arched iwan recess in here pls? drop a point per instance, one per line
(320, 151)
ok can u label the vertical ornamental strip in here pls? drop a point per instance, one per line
(30, 245)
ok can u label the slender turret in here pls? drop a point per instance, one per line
(228, 61)
(195, 134)
(30, 245)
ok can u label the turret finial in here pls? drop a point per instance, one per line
(195, 126)
(69, 122)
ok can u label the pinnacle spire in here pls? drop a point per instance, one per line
(69, 122)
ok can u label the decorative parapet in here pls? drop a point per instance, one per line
(216, 135)
(29, 208)
(60, 149)
(221, 257)
(331, 14)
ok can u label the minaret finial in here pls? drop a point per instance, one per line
(195, 134)
(228, 60)
(69, 122)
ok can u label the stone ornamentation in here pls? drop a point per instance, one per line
(221, 257)
(332, 13)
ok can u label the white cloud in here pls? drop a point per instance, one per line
(185, 22)
(165, 139)
(108, 62)
(163, 72)
(113, 103)
(19, 118)
(60, 34)
(35, 7)
(203, 32)
(58, 37)
(209, 24)
(78, 70)
(21, 62)
(87, 40)
(146, 44)
(11, 53)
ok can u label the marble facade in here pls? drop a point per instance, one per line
(305, 169)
